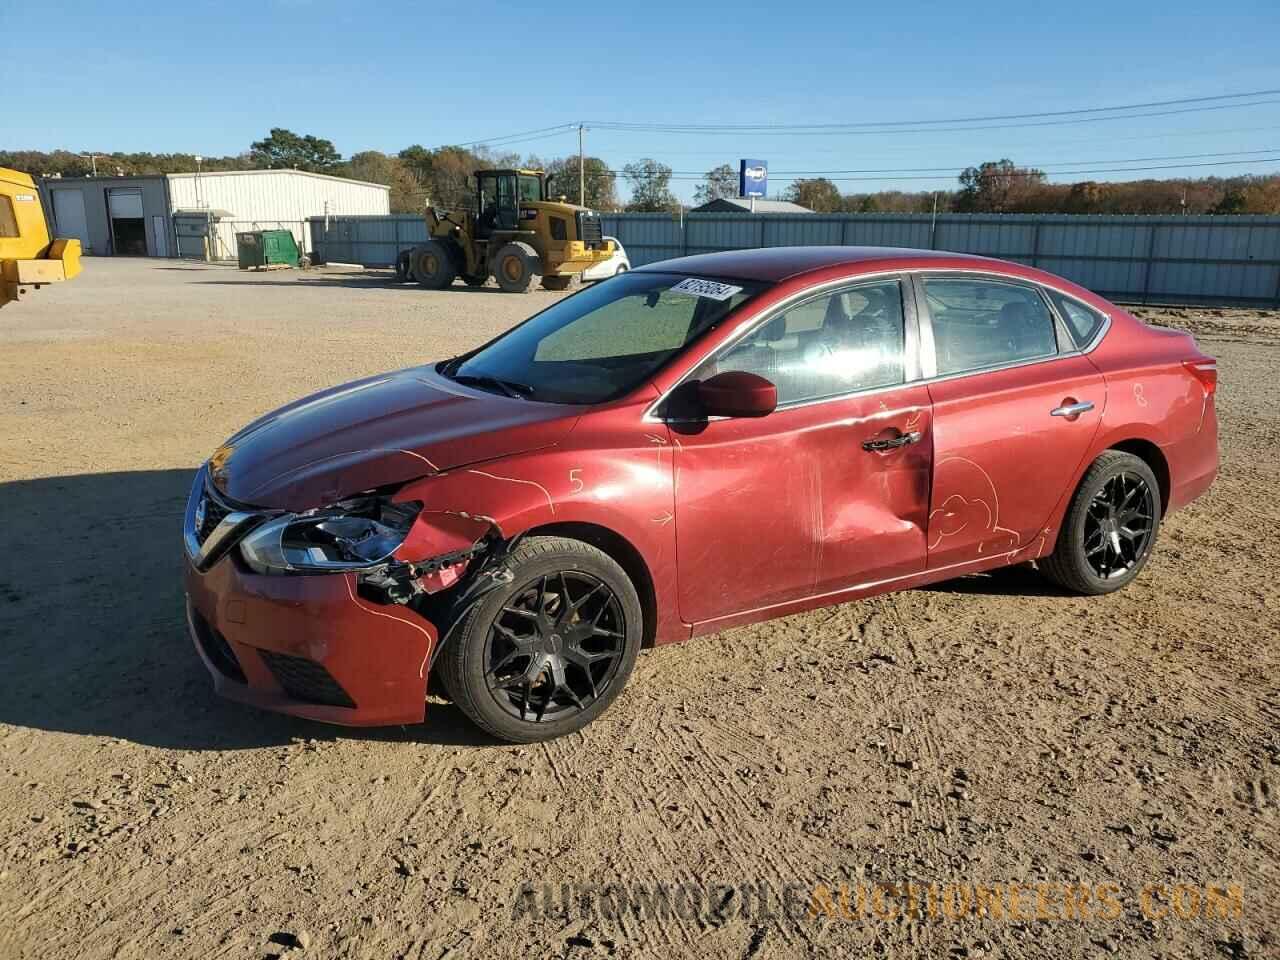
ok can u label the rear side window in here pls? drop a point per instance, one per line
(987, 323)
(1083, 322)
(8, 222)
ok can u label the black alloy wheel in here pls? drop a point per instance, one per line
(554, 646)
(546, 653)
(1110, 527)
(1118, 525)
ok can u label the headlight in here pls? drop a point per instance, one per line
(351, 535)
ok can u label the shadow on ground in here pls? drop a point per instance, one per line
(357, 281)
(93, 637)
(1021, 580)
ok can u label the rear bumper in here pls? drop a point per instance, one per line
(309, 646)
(1193, 462)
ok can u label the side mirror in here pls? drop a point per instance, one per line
(737, 393)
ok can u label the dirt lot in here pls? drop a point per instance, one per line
(989, 731)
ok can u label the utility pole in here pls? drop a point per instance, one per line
(93, 160)
(582, 173)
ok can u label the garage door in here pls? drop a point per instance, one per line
(128, 225)
(125, 204)
(68, 216)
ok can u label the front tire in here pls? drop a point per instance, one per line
(433, 266)
(547, 653)
(515, 266)
(1110, 527)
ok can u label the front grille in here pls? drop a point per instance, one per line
(214, 511)
(216, 648)
(306, 680)
(589, 231)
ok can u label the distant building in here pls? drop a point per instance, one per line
(744, 205)
(183, 214)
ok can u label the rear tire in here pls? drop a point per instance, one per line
(433, 266)
(545, 654)
(622, 268)
(515, 266)
(558, 282)
(1110, 528)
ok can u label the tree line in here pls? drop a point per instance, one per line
(441, 175)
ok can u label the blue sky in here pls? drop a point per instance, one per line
(209, 77)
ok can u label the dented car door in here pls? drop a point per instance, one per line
(832, 488)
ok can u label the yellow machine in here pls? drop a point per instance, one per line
(516, 233)
(28, 257)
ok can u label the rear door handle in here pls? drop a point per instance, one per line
(877, 444)
(1072, 409)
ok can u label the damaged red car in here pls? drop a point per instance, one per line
(693, 445)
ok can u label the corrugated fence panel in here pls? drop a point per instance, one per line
(782, 230)
(710, 232)
(652, 236)
(903, 231)
(369, 241)
(1132, 258)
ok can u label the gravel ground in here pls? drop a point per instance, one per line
(985, 731)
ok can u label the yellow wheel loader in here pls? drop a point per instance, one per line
(515, 234)
(29, 258)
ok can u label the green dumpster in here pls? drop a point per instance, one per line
(266, 248)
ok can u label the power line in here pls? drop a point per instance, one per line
(513, 137)
(1007, 148)
(812, 132)
(1031, 168)
(893, 176)
(1044, 167)
(753, 127)
(869, 127)
(1065, 173)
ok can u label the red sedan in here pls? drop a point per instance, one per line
(696, 444)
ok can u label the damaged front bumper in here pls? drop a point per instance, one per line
(352, 647)
(309, 646)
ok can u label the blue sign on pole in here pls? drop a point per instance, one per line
(753, 178)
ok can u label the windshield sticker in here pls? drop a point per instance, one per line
(706, 288)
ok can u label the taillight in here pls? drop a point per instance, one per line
(1206, 371)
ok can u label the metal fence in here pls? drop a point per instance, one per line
(372, 241)
(1143, 259)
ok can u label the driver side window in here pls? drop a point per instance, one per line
(834, 344)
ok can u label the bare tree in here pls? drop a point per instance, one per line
(997, 186)
(718, 182)
(818, 194)
(650, 183)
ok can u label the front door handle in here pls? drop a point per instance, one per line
(880, 444)
(1072, 410)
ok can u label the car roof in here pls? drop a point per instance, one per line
(774, 264)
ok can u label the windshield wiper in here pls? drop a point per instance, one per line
(509, 388)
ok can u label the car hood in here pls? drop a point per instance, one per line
(376, 432)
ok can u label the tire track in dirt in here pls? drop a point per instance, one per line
(721, 781)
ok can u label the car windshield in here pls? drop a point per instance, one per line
(605, 341)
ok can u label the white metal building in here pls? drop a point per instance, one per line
(182, 214)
